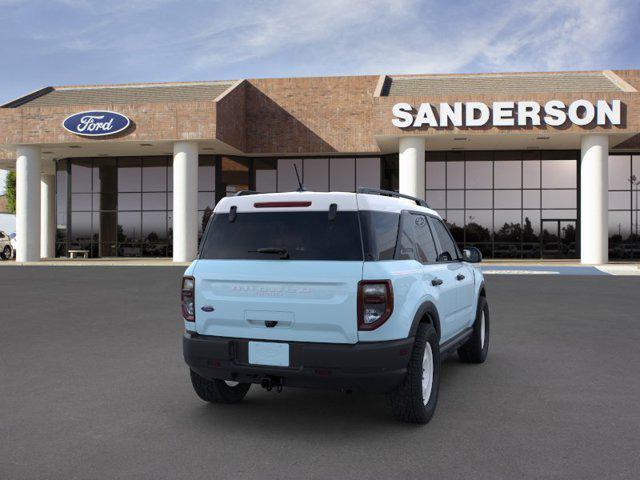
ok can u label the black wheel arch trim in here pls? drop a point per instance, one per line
(426, 309)
(482, 290)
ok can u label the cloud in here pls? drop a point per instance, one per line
(411, 36)
(154, 40)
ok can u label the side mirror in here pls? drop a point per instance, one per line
(472, 255)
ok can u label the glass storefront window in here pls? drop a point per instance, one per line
(61, 208)
(436, 175)
(455, 199)
(342, 174)
(437, 199)
(501, 195)
(129, 174)
(154, 174)
(368, 172)
(507, 199)
(108, 206)
(266, 174)
(478, 199)
(507, 174)
(624, 198)
(531, 198)
(559, 174)
(455, 174)
(287, 181)
(81, 176)
(478, 174)
(531, 174)
(316, 174)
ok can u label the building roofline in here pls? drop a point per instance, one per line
(142, 85)
(625, 86)
(27, 98)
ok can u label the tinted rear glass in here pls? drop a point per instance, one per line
(303, 235)
(380, 232)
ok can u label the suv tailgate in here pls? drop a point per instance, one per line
(313, 301)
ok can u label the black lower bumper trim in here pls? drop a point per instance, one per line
(366, 367)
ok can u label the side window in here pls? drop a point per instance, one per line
(415, 241)
(425, 246)
(406, 238)
(1, 235)
(379, 234)
(448, 248)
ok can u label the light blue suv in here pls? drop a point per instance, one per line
(352, 291)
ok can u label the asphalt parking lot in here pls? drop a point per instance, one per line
(93, 386)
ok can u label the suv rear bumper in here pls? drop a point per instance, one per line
(366, 367)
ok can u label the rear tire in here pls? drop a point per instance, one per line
(218, 391)
(414, 401)
(475, 349)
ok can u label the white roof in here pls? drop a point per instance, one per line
(318, 201)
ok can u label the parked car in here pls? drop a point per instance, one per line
(7, 248)
(358, 291)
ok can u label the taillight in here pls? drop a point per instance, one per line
(375, 303)
(187, 299)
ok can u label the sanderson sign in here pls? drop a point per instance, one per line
(96, 123)
(507, 114)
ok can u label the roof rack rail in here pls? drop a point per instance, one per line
(242, 193)
(391, 193)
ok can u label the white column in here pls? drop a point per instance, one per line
(48, 211)
(185, 201)
(411, 165)
(28, 204)
(594, 199)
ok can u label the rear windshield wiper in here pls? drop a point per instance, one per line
(284, 254)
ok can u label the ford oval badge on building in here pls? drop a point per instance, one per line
(96, 123)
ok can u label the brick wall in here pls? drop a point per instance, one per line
(318, 115)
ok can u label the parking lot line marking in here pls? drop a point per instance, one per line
(520, 272)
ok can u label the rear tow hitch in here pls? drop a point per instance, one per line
(268, 383)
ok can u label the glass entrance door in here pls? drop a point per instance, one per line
(558, 238)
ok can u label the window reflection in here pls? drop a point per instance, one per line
(502, 195)
(266, 171)
(81, 175)
(129, 174)
(108, 206)
(624, 214)
(479, 198)
(316, 174)
(531, 174)
(436, 174)
(507, 174)
(559, 174)
(154, 174)
(479, 174)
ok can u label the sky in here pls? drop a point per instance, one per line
(71, 42)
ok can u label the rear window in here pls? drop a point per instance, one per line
(277, 235)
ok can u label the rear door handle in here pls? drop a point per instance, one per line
(436, 281)
(460, 277)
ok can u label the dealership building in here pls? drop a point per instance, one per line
(521, 165)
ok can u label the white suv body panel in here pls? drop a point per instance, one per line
(316, 301)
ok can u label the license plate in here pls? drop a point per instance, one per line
(269, 353)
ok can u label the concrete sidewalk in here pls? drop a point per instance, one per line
(99, 262)
(557, 267)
